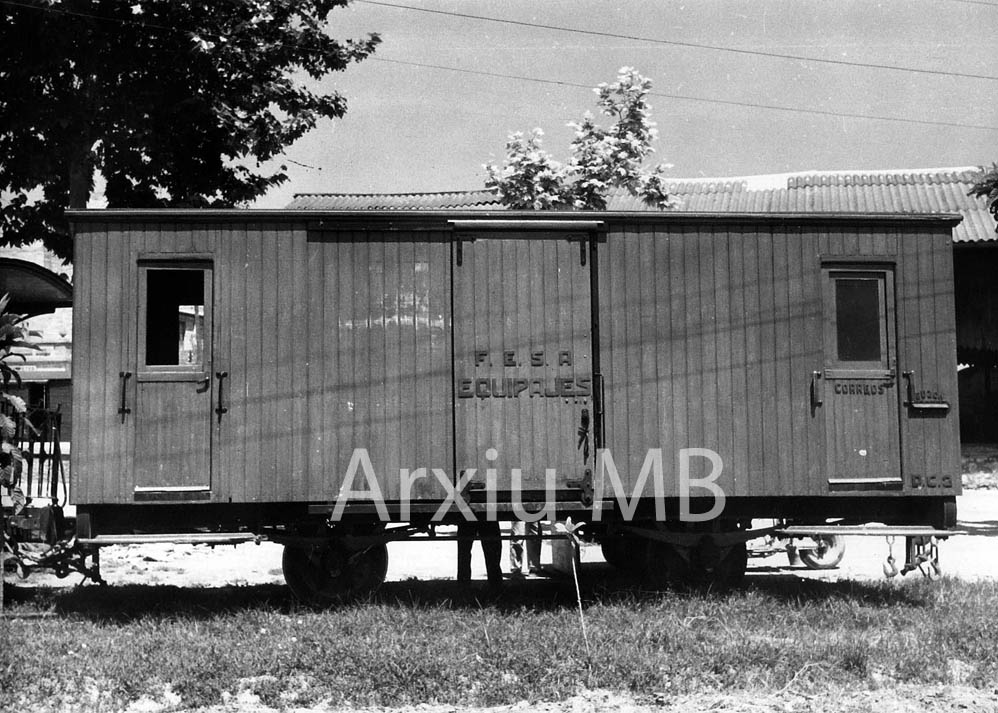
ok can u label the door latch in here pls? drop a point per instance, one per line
(584, 435)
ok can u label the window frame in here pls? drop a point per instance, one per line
(181, 372)
(884, 275)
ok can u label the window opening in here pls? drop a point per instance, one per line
(175, 317)
(857, 319)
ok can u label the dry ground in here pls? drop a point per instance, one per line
(971, 558)
(967, 557)
(898, 699)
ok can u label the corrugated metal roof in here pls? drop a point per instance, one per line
(932, 190)
(443, 200)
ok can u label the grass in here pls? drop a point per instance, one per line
(419, 642)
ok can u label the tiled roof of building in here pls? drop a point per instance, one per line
(934, 190)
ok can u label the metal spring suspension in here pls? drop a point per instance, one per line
(923, 555)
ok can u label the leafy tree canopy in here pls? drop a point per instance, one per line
(602, 158)
(175, 102)
(986, 187)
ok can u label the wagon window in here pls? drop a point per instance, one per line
(857, 318)
(175, 317)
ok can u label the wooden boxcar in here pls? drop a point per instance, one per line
(228, 365)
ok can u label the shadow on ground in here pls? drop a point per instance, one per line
(600, 585)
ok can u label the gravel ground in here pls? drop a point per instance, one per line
(896, 699)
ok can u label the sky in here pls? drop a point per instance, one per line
(441, 94)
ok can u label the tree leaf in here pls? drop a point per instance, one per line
(168, 121)
(16, 402)
(602, 158)
(7, 429)
(18, 500)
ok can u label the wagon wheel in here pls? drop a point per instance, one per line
(829, 552)
(624, 552)
(325, 576)
(718, 567)
(665, 568)
(730, 571)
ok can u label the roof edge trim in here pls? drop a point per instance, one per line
(321, 217)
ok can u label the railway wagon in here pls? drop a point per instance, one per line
(335, 381)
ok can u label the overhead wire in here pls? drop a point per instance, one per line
(499, 75)
(679, 43)
(684, 97)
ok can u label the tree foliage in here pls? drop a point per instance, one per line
(986, 187)
(12, 336)
(175, 102)
(602, 158)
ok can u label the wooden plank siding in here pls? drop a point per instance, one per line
(913, 432)
(342, 336)
(929, 345)
(85, 483)
(725, 363)
(379, 360)
(230, 432)
(947, 432)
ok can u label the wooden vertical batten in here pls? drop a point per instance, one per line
(345, 331)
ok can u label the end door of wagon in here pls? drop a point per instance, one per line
(861, 390)
(173, 380)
